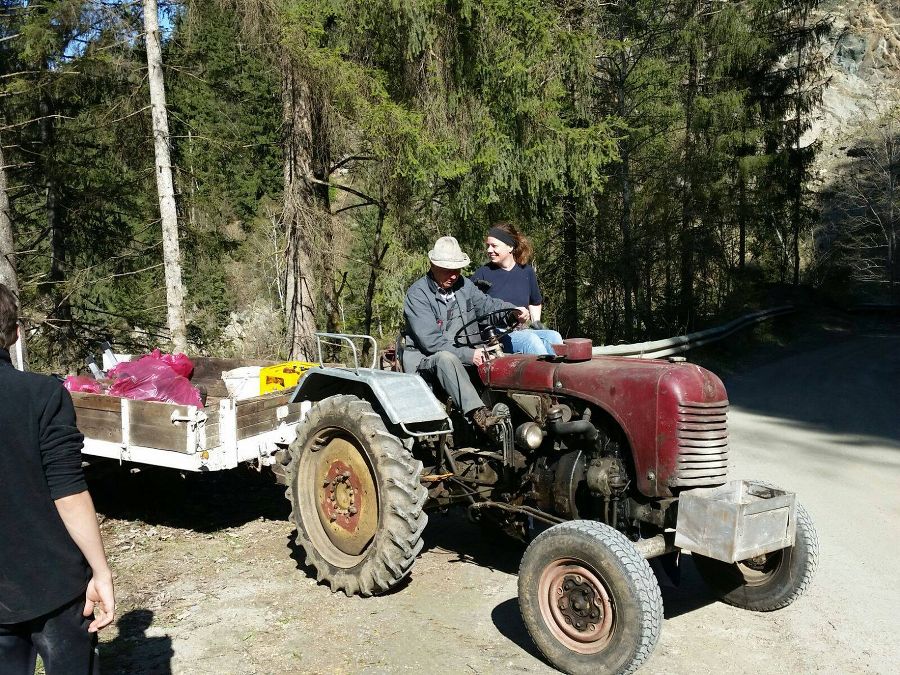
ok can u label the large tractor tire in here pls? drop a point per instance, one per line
(767, 582)
(356, 498)
(589, 600)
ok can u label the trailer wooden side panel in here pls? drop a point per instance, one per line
(155, 425)
(150, 423)
(253, 425)
(166, 426)
(99, 416)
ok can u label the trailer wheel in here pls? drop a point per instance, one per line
(767, 582)
(589, 600)
(356, 498)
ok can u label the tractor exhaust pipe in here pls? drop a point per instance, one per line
(656, 546)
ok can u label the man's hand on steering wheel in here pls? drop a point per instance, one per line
(479, 357)
(524, 315)
(502, 321)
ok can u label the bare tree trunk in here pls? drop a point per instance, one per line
(164, 186)
(300, 211)
(629, 260)
(62, 308)
(892, 165)
(742, 221)
(7, 243)
(8, 256)
(799, 169)
(685, 237)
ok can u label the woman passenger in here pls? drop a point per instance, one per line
(512, 278)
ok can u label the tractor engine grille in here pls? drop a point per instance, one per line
(702, 444)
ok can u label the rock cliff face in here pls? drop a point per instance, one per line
(857, 241)
(864, 70)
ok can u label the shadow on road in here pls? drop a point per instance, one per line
(508, 620)
(472, 543)
(299, 557)
(133, 651)
(688, 595)
(203, 502)
(846, 388)
(684, 594)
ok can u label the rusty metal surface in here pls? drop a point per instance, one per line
(643, 397)
(575, 606)
(702, 431)
(348, 501)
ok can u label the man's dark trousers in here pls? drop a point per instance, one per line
(60, 637)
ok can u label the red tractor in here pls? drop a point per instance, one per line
(612, 460)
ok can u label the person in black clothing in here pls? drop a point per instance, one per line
(53, 570)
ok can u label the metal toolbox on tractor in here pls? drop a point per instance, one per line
(735, 521)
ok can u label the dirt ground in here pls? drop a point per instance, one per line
(208, 580)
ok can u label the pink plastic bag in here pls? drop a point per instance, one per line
(83, 384)
(180, 363)
(153, 378)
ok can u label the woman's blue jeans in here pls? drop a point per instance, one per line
(529, 341)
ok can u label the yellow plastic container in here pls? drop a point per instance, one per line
(282, 376)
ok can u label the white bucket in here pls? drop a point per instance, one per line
(243, 382)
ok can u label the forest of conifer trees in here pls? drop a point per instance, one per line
(654, 150)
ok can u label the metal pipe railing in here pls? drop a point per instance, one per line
(682, 343)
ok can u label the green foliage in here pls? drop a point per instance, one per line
(651, 150)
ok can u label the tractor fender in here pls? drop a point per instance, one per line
(405, 398)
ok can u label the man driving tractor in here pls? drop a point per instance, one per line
(436, 307)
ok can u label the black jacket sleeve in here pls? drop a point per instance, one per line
(61, 444)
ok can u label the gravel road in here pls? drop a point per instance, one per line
(208, 585)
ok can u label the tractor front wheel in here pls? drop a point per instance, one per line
(589, 600)
(770, 581)
(356, 498)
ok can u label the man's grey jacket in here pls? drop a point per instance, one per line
(430, 323)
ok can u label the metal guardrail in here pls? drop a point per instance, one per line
(682, 343)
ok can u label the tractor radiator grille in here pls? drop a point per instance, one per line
(702, 444)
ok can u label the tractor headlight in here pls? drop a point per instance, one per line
(529, 435)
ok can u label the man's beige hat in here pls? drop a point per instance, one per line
(447, 254)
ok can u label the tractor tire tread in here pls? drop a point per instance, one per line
(795, 581)
(646, 591)
(399, 538)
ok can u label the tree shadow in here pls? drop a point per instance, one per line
(839, 381)
(203, 502)
(133, 651)
(451, 532)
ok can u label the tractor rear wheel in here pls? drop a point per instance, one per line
(589, 600)
(770, 581)
(356, 498)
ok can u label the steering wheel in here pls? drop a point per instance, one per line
(475, 339)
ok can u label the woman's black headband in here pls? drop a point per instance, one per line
(502, 235)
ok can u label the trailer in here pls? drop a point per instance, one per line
(220, 435)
